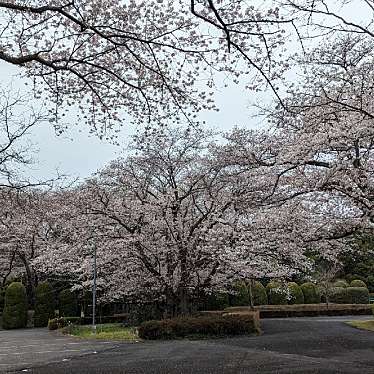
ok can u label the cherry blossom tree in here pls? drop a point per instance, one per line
(22, 230)
(153, 59)
(170, 223)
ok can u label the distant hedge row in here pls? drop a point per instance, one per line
(276, 293)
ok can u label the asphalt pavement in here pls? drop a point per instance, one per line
(287, 346)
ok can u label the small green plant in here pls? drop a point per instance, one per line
(60, 322)
(44, 304)
(15, 306)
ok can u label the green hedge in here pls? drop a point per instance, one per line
(338, 295)
(199, 326)
(341, 283)
(296, 294)
(276, 294)
(259, 294)
(67, 303)
(358, 295)
(15, 306)
(44, 304)
(311, 293)
(358, 283)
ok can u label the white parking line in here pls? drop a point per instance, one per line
(36, 345)
(42, 352)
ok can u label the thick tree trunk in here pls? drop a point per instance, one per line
(31, 280)
(183, 302)
(250, 291)
(7, 274)
(170, 304)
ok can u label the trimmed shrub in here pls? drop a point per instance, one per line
(358, 283)
(311, 293)
(15, 307)
(341, 283)
(358, 295)
(238, 324)
(217, 301)
(339, 295)
(277, 295)
(240, 297)
(296, 294)
(67, 304)
(44, 304)
(259, 294)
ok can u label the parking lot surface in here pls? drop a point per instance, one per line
(322, 345)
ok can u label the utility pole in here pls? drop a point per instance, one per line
(94, 289)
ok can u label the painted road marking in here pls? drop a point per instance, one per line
(38, 345)
(42, 352)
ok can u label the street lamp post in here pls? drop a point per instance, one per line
(94, 290)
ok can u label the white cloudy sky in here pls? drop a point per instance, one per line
(78, 154)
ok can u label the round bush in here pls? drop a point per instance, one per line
(296, 294)
(44, 304)
(259, 294)
(277, 295)
(341, 283)
(311, 293)
(358, 295)
(339, 295)
(67, 304)
(358, 283)
(15, 307)
(240, 297)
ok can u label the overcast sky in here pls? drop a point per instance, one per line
(79, 154)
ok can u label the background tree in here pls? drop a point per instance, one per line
(44, 304)
(15, 308)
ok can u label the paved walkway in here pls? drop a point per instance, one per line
(33, 347)
(298, 345)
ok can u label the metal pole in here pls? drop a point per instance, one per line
(94, 291)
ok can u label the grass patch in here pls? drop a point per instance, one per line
(109, 331)
(363, 325)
